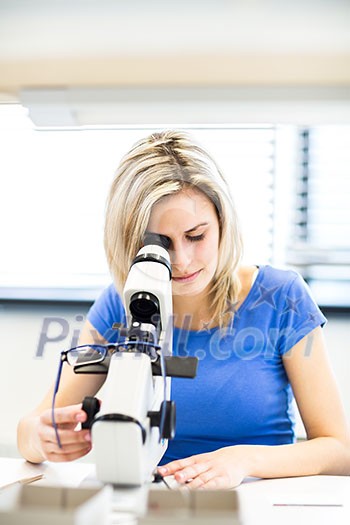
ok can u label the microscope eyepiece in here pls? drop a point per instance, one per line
(157, 239)
(144, 306)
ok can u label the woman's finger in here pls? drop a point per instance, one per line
(59, 455)
(191, 472)
(179, 464)
(200, 480)
(64, 415)
(218, 482)
(68, 437)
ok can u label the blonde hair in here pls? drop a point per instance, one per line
(160, 165)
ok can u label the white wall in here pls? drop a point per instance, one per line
(25, 377)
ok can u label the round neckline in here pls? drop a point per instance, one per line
(203, 332)
(252, 289)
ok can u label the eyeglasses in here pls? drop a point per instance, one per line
(79, 355)
(89, 355)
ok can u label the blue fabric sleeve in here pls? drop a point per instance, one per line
(299, 314)
(106, 310)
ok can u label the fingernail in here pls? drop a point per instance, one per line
(88, 437)
(80, 417)
(162, 470)
(180, 477)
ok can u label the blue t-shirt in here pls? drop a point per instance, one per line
(241, 394)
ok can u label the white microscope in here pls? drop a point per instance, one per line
(131, 428)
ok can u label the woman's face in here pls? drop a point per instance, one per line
(190, 221)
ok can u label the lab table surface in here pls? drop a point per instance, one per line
(298, 501)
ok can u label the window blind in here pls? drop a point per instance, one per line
(320, 242)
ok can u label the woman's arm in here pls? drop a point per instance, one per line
(36, 437)
(327, 450)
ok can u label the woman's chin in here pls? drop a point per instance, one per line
(191, 289)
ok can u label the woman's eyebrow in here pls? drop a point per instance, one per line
(196, 227)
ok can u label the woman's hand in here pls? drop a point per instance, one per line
(223, 469)
(75, 443)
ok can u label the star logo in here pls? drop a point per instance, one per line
(292, 305)
(230, 311)
(206, 326)
(266, 296)
(313, 316)
(231, 307)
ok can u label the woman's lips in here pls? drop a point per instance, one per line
(188, 278)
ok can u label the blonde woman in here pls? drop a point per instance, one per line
(255, 329)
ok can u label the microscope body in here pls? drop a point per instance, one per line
(128, 431)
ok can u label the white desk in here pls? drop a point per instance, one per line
(298, 501)
(70, 474)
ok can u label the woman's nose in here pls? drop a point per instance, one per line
(180, 256)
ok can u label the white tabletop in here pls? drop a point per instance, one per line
(71, 474)
(306, 500)
(298, 501)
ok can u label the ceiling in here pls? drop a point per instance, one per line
(99, 28)
(158, 44)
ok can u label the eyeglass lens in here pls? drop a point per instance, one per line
(86, 354)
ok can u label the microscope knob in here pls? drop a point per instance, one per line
(165, 417)
(168, 431)
(91, 405)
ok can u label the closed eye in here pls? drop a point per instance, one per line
(195, 238)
